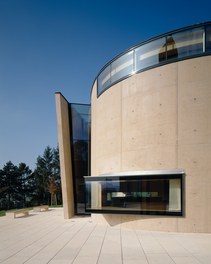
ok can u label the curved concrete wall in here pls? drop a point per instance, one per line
(159, 119)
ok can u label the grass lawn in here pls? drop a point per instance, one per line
(2, 213)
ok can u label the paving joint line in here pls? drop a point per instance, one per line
(102, 245)
(30, 245)
(65, 243)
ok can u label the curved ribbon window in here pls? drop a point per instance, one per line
(173, 46)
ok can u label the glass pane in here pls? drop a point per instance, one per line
(208, 39)
(150, 54)
(80, 124)
(103, 80)
(147, 196)
(186, 43)
(174, 195)
(80, 121)
(122, 67)
(171, 48)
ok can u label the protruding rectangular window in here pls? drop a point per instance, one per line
(158, 194)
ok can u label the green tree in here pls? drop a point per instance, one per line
(27, 186)
(10, 183)
(43, 172)
(20, 187)
(16, 186)
(47, 171)
(52, 188)
(56, 164)
(3, 188)
(57, 176)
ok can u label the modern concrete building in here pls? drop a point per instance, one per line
(150, 136)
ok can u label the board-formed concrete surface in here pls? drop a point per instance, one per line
(159, 119)
(46, 237)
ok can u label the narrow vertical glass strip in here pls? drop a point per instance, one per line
(208, 39)
(80, 127)
(204, 41)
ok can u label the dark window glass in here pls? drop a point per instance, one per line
(150, 54)
(80, 145)
(140, 195)
(171, 48)
(208, 39)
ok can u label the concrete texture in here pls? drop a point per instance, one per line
(62, 114)
(159, 119)
(46, 237)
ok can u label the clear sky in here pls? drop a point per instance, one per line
(60, 45)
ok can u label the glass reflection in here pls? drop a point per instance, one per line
(80, 142)
(171, 48)
(158, 195)
(104, 80)
(150, 54)
(185, 43)
(188, 42)
(122, 67)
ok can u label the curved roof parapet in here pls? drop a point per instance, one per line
(180, 44)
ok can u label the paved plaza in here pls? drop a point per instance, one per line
(45, 237)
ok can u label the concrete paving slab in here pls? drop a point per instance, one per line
(46, 237)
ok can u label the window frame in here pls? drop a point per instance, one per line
(101, 88)
(145, 175)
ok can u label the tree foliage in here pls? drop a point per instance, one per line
(52, 188)
(27, 186)
(22, 187)
(48, 171)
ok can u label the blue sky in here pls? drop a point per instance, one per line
(60, 45)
